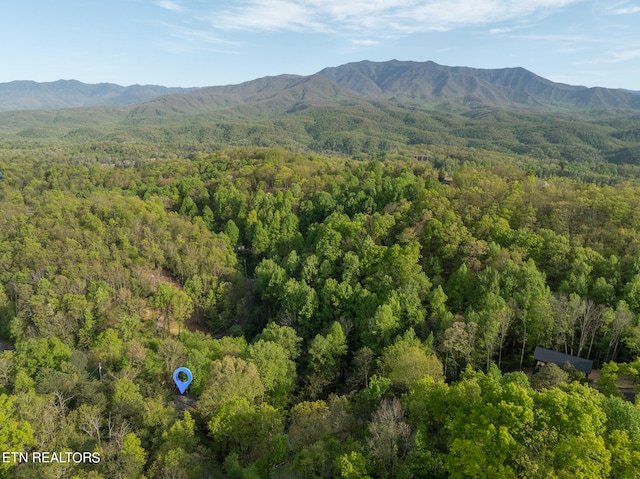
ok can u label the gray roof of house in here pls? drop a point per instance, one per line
(550, 356)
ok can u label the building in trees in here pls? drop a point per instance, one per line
(545, 356)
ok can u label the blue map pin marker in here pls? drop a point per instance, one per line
(182, 385)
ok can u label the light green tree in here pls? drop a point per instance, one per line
(326, 353)
(352, 466)
(230, 377)
(15, 435)
(408, 360)
(276, 370)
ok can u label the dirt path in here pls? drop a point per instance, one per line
(626, 384)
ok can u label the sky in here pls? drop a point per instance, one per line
(191, 43)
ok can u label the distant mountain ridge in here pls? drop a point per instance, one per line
(30, 95)
(403, 83)
(263, 97)
(394, 81)
(515, 87)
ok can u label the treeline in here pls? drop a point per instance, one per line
(321, 304)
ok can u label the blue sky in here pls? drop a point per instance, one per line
(200, 43)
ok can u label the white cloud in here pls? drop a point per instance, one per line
(379, 16)
(626, 11)
(498, 31)
(188, 39)
(514, 28)
(201, 36)
(625, 55)
(617, 56)
(365, 43)
(168, 5)
(267, 15)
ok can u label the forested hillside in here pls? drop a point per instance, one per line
(594, 145)
(354, 317)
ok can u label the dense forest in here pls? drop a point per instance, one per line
(369, 316)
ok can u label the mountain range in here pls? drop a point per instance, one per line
(396, 81)
(357, 108)
(30, 95)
